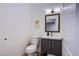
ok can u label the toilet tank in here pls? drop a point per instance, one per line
(34, 40)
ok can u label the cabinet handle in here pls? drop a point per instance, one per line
(52, 44)
(49, 44)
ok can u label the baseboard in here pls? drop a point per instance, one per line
(66, 51)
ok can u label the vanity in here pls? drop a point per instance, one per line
(51, 45)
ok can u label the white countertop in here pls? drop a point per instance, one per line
(50, 37)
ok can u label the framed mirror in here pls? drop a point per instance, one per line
(52, 23)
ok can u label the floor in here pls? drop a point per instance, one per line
(37, 54)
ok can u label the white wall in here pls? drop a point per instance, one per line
(77, 40)
(38, 13)
(69, 29)
(15, 25)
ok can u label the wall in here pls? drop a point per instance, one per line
(15, 25)
(77, 40)
(38, 13)
(69, 29)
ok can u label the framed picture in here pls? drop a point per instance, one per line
(52, 23)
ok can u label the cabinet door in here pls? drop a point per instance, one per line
(58, 47)
(45, 45)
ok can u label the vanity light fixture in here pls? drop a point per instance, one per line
(57, 9)
(50, 10)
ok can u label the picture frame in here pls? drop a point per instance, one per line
(52, 23)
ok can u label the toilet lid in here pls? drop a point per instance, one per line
(31, 49)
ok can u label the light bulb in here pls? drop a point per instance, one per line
(48, 11)
(57, 9)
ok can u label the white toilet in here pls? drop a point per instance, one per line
(33, 47)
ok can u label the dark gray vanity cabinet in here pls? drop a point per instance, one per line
(51, 46)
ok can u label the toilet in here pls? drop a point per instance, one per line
(31, 49)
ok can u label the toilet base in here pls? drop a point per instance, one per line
(32, 54)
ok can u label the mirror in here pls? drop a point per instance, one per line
(52, 23)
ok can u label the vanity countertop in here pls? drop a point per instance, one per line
(50, 37)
